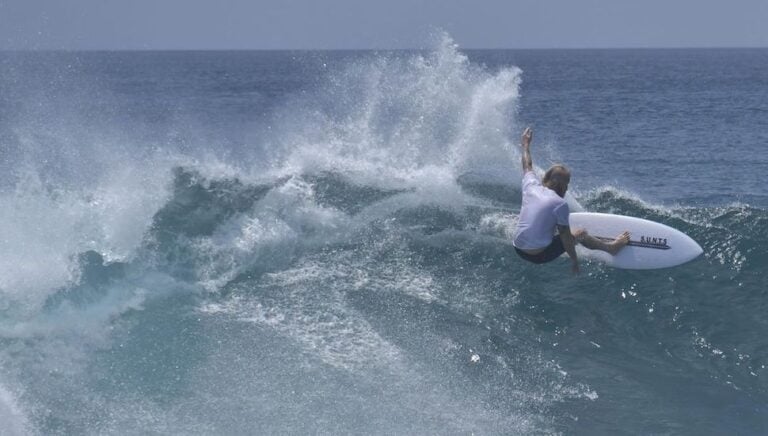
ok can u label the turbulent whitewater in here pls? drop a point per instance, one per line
(319, 243)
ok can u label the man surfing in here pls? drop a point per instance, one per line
(545, 210)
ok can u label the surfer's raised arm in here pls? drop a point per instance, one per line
(525, 143)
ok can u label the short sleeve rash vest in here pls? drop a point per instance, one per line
(541, 212)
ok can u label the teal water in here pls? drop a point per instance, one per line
(319, 242)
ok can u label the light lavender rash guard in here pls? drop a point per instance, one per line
(541, 212)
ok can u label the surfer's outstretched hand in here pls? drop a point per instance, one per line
(527, 137)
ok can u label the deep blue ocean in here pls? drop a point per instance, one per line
(319, 242)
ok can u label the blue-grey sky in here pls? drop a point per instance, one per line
(343, 24)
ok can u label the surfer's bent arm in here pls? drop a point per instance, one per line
(525, 143)
(569, 243)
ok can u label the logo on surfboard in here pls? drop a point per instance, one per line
(651, 242)
(644, 242)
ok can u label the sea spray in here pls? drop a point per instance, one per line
(258, 243)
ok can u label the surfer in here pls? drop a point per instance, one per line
(545, 210)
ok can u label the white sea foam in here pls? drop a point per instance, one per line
(393, 118)
(499, 224)
(46, 227)
(13, 422)
(410, 122)
(310, 310)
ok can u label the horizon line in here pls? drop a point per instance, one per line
(190, 49)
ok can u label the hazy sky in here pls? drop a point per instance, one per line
(328, 24)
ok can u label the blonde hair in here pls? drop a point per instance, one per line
(557, 178)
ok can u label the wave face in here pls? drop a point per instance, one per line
(292, 243)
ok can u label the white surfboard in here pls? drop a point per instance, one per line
(651, 245)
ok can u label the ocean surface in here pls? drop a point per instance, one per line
(318, 242)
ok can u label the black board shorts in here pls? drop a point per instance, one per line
(552, 252)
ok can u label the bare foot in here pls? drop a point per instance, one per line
(620, 242)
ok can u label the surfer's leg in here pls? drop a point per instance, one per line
(589, 241)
